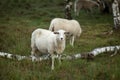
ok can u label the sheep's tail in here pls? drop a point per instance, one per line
(36, 33)
(79, 33)
(51, 28)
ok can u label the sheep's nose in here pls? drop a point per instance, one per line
(61, 38)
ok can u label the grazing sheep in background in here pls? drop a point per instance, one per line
(84, 4)
(72, 26)
(105, 6)
(46, 41)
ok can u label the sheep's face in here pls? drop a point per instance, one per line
(61, 34)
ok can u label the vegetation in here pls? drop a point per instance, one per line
(18, 18)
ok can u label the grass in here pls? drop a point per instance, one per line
(17, 24)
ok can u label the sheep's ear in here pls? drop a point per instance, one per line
(53, 29)
(56, 32)
(67, 33)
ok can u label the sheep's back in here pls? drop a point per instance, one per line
(43, 39)
(71, 26)
(76, 28)
(87, 3)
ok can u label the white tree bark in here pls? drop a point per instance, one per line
(68, 8)
(116, 14)
(88, 55)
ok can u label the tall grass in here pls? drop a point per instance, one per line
(20, 17)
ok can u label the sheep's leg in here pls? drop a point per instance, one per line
(77, 12)
(33, 51)
(59, 58)
(51, 52)
(72, 40)
(53, 60)
(33, 47)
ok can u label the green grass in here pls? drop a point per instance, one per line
(17, 23)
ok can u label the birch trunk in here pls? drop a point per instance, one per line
(68, 7)
(116, 14)
(87, 55)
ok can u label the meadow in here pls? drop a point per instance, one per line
(18, 18)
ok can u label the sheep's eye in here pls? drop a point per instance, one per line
(56, 32)
(66, 33)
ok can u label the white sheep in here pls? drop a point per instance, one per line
(71, 26)
(46, 41)
(84, 4)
